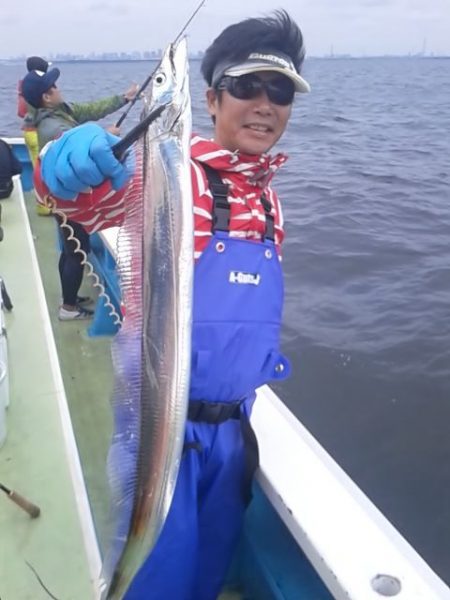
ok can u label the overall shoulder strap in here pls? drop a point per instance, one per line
(219, 191)
(270, 224)
(221, 207)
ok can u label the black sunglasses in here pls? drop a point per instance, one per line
(280, 90)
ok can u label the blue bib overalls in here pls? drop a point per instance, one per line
(238, 298)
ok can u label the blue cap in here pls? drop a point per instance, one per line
(36, 83)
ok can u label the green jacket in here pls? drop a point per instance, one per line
(52, 122)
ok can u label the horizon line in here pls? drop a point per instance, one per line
(128, 57)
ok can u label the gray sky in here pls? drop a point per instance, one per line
(349, 26)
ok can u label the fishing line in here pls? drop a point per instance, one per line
(49, 203)
(41, 583)
(149, 78)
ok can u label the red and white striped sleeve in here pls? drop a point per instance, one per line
(99, 208)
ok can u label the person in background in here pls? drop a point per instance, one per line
(25, 112)
(51, 117)
(253, 75)
(9, 166)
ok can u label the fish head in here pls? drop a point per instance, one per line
(170, 83)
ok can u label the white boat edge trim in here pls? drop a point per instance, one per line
(346, 538)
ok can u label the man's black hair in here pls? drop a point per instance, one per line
(36, 63)
(272, 33)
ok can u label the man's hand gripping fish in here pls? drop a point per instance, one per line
(151, 352)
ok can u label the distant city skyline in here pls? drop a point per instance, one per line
(136, 55)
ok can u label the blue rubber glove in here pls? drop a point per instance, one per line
(83, 158)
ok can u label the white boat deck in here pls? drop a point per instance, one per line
(39, 458)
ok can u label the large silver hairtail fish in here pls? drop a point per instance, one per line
(151, 352)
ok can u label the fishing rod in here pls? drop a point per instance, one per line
(33, 510)
(120, 149)
(149, 78)
(133, 101)
(188, 22)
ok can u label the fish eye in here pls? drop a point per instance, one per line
(160, 78)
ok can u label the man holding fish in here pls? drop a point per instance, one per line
(253, 73)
